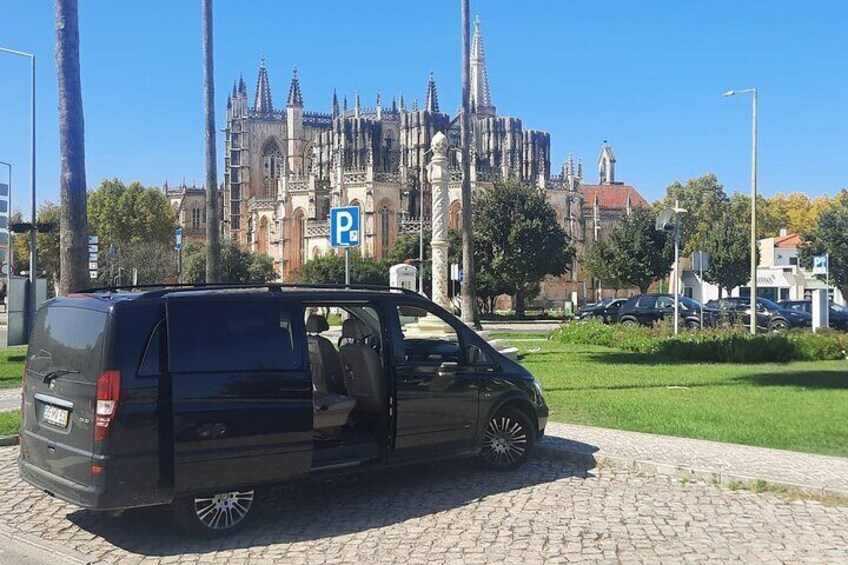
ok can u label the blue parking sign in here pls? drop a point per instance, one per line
(344, 226)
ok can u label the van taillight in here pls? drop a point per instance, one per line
(108, 394)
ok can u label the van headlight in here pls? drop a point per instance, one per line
(537, 384)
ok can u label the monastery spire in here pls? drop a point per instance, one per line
(242, 88)
(295, 97)
(335, 104)
(262, 103)
(431, 103)
(481, 101)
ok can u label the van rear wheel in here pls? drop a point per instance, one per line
(215, 515)
(508, 440)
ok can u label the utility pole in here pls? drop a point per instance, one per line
(469, 314)
(213, 244)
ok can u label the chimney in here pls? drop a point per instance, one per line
(783, 232)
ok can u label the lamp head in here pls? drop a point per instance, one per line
(729, 93)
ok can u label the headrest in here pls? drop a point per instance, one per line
(316, 323)
(354, 329)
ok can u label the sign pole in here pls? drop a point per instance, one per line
(180, 265)
(347, 266)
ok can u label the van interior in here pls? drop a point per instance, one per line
(349, 382)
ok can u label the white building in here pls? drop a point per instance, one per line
(779, 277)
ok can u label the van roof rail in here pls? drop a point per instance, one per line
(183, 287)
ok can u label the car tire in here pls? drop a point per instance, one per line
(508, 440)
(693, 325)
(628, 322)
(215, 515)
(779, 326)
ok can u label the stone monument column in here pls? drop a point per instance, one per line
(439, 177)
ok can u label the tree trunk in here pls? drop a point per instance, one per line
(73, 223)
(520, 307)
(213, 243)
(470, 314)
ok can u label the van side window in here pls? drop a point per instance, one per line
(151, 361)
(426, 337)
(220, 336)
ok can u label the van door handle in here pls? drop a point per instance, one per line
(448, 368)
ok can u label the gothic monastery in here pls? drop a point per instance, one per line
(285, 167)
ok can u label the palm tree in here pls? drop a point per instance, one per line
(73, 223)
(213, 243)
(470, 313)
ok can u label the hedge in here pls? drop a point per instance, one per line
(717, 345)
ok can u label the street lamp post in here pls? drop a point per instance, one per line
(753, 92)
(8, 240)
(32, 304)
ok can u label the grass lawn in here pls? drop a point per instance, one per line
(10, 422)
(11, 366)
(799, 406)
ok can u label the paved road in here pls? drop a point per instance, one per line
(548, 511)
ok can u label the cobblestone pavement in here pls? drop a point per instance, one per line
(10, 399)
(773, 465)
(548, 511)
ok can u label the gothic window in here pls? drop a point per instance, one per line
(455, 215)
(386, 217)
(299, 238)
(195, 218)
(272, 168)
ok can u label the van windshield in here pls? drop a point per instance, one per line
(68, 338)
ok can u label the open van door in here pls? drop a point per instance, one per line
(241, 391)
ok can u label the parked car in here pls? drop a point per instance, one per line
(647, 309)
(770, 316)
(606, 310)
(194, 397)
(837, 317)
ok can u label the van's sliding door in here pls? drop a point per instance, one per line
(241, 391)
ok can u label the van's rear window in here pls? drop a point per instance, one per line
(218, 336)
(68, 338)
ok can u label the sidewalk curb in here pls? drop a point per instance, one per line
(51, 551)
(6, 441)
(722, 478)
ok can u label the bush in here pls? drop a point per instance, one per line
(717, 345)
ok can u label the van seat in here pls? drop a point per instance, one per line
(331, 410)
(324, 361)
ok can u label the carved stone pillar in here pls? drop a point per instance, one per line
(439, 178)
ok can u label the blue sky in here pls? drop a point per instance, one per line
(647, 76)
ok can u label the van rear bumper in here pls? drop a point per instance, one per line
(87, 496)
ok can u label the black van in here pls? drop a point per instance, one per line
(195, 396)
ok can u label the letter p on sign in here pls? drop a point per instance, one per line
(344, 226)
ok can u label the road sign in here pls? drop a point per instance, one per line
(178, 236)
(344, 226)
(93, 248)
(820, 264)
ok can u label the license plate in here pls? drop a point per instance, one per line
(55, 416)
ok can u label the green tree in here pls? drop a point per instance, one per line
(830, 236)
(46, 245)
(238, 265)
(638, 252)
(127, 214)
(729, 247)
(702, 198)
(599, 263)
(330, 269)
(519, 240)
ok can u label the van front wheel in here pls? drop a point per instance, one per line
(214, 515)
(508, 440)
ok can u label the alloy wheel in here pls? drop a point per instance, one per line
(223, 510)
(505, 441)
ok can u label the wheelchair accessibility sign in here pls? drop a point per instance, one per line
(344, 226)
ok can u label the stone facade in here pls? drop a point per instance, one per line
(285, 168)
(189, 203)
